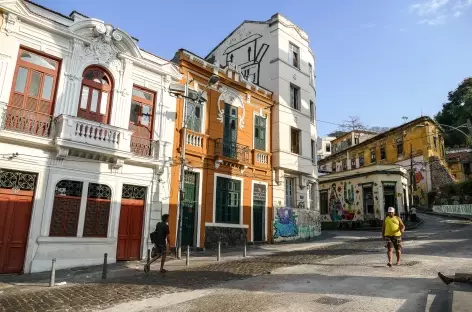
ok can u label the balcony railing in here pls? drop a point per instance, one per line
(72, 130)
(196, 142)
(25, 121)
(261, 158)
(142, 146)
(232, 150)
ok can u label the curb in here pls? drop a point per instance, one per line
(448, 215)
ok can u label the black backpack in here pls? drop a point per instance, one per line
(153, 235)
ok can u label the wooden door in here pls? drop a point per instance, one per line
(190, 208)
(230, 131)
(15, 217)
(258, 220)
(130, 229)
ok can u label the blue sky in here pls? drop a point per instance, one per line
(379, 60)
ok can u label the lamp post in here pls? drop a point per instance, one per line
(177, 91)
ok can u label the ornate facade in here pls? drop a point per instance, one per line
(86, 140)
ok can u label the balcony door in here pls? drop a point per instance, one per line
(95, 97)
(230, 131)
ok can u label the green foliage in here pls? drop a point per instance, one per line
(337, 133)
(456, 112)
(453, 194)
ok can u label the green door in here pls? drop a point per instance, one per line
(190, 208)
(230, 132)
(258, 210)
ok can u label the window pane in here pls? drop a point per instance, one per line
(38, 60)
(21, 79)
(146, 115)
(134, 114)
(47, 88)
(84, 97)
(34, 84)
(104, 103)
(93, 104)
(142, 94)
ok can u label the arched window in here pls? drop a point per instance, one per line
(66, 208)
(95, 97)
(98, 210)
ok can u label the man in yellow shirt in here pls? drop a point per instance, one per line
(392, 230)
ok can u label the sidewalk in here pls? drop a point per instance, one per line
(10, 284)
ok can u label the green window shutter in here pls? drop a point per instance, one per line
(260, 133)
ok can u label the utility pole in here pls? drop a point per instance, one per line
(213, 80)
(182, 172)
(411, 175)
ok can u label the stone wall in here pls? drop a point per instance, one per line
(228, 236)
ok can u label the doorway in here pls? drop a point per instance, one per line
(16, 206)
(258, 212)
(190, 204)
(389, 197)
(230, 131)
(131, 223)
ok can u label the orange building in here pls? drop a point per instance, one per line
(228, 191)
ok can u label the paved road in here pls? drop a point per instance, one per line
(348, 277)
(332, 278)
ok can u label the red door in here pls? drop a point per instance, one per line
(15, 217)
(130, 229)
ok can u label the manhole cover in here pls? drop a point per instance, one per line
(411, 263)
(331, 301)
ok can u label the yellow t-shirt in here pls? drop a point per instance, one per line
(392, 226)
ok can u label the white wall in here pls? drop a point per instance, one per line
(274, 72)
(77, 44)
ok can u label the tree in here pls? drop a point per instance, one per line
(353, 123)
(456, 112)
(337, 134)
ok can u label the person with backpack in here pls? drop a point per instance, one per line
(161, 240)
(392, 231)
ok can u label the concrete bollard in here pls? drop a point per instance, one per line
(105, 266)
(187, 256)
(245, 250)
(218, 254)
(52, 281)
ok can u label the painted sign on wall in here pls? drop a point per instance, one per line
(454, 209)
(285, 224)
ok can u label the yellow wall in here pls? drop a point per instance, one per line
(457, 171)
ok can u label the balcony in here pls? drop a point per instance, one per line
(232, 151)
(26, 122)
(77, 133)
(261, 158)
(196, 142)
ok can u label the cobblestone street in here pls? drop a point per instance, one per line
(136, 285)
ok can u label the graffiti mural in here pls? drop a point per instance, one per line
(337, 210)
(292, 224)
(285, 223)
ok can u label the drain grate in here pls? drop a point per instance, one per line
(411, 263)
(332, 301)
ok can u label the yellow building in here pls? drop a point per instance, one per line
(417, 145)
(458, 161)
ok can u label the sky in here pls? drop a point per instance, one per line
(378, 60)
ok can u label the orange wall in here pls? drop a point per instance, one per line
(205, 158)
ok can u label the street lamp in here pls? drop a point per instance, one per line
(182, 92)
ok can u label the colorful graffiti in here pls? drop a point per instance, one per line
(285, 223)
(292, 224)
(337, 211)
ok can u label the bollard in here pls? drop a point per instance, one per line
(148, 256)
(104, 272)
(187, 256)
(218, 254)
(245, 249)
(53, 273)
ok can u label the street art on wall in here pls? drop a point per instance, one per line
(338, 211)
(285, 223)
(291, 224)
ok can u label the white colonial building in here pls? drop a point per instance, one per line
(275, 54)
(85, 139)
